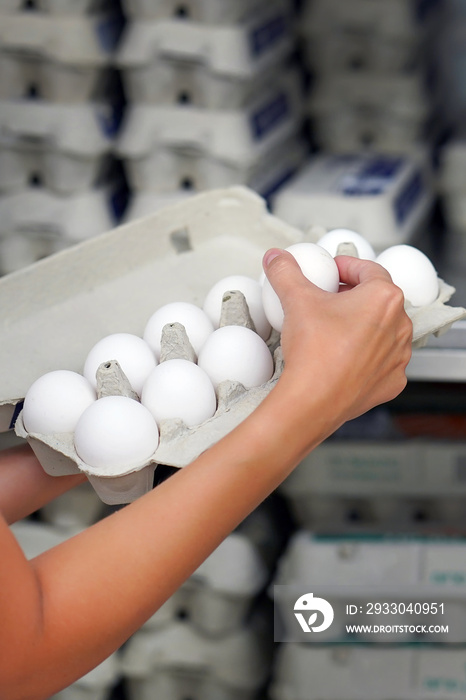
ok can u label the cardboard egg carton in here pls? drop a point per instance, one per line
(365, 570)
(166, 61)
(400, 19)
(36, 222)
(178, 662)
(375, 482)
(219, 596)
(166, 147)
(58, 58)
(206, 11)
(64, 145)
(365, 672)
(58, 7)
(358, 130)
(385, 198)
(115, 282)
(346, 51)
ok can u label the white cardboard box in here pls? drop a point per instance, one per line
(308, 672)
(385, 198)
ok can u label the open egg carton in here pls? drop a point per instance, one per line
(65, 146)
(57, 58)
(71, 300)
(219, 66)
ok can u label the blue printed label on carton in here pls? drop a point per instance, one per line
(265, 36)
(269, 116)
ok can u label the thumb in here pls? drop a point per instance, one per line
(279, 291)
(282, 271)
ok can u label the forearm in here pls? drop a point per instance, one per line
(25, 487)
(102, 585)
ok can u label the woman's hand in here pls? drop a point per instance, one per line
(351, 347)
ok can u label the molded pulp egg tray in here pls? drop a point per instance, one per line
(54, 311)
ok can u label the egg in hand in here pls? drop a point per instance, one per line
(316, 264)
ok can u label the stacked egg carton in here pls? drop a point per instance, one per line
(57, 122)
(212, 638)
(213, 98)
(360, 672)
(386, 198)
(391, 583)
(373, 73)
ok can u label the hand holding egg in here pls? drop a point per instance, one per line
(316, 264)
(338, 236)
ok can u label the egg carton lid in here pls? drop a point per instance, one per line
(240, 659)
(238, 136)
(75, 217)
(78, 129)
(113, 283)
(239, 50)
(73, 40)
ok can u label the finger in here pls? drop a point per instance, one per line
(354, 271)
(283, 271)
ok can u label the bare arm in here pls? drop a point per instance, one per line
(71, 607)
(25, 487)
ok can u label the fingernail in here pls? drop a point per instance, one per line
(270, 255)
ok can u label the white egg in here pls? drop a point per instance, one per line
(196, 322)
(179, 389)
(55, 402)
(116, 434)
(332, 239)
(252, 291)
(238, 354)
(412, 271)
(133, 354)
(316, 264)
